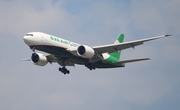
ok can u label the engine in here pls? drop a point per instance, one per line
(85, 51)
(39, 59)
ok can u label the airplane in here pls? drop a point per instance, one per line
(68, 53)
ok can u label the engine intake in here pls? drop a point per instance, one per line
(85, 51)
(39, 59)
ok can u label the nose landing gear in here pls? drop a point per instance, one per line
(33, 49)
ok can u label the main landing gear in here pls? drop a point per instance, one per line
(90, 66)
(64, 70)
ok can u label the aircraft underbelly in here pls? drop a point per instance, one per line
(101, 64)
(62, 53)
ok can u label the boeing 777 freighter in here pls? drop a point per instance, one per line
(67, 53)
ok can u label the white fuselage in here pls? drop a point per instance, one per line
(42, 39)
(38, 38)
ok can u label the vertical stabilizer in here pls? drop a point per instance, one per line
(120, 39)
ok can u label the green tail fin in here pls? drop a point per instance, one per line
(120, 39)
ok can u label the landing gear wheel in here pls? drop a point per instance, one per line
(64, 73)
(68, 71)
(60, 69)
(90, 66)
(64, 70)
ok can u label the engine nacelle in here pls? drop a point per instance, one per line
(39, 59)
(85, 51)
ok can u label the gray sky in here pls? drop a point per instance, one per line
(147, 85)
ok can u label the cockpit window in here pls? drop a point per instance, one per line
(29, 34)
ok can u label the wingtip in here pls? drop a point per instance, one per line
(168, 35)
(148, 59)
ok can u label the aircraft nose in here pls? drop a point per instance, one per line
(27, 39)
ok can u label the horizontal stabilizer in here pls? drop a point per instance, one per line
(27, 59)
(132, 60)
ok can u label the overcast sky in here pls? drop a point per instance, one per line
(148, 85)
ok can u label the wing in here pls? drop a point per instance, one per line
(122, 46)
(52, 58)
